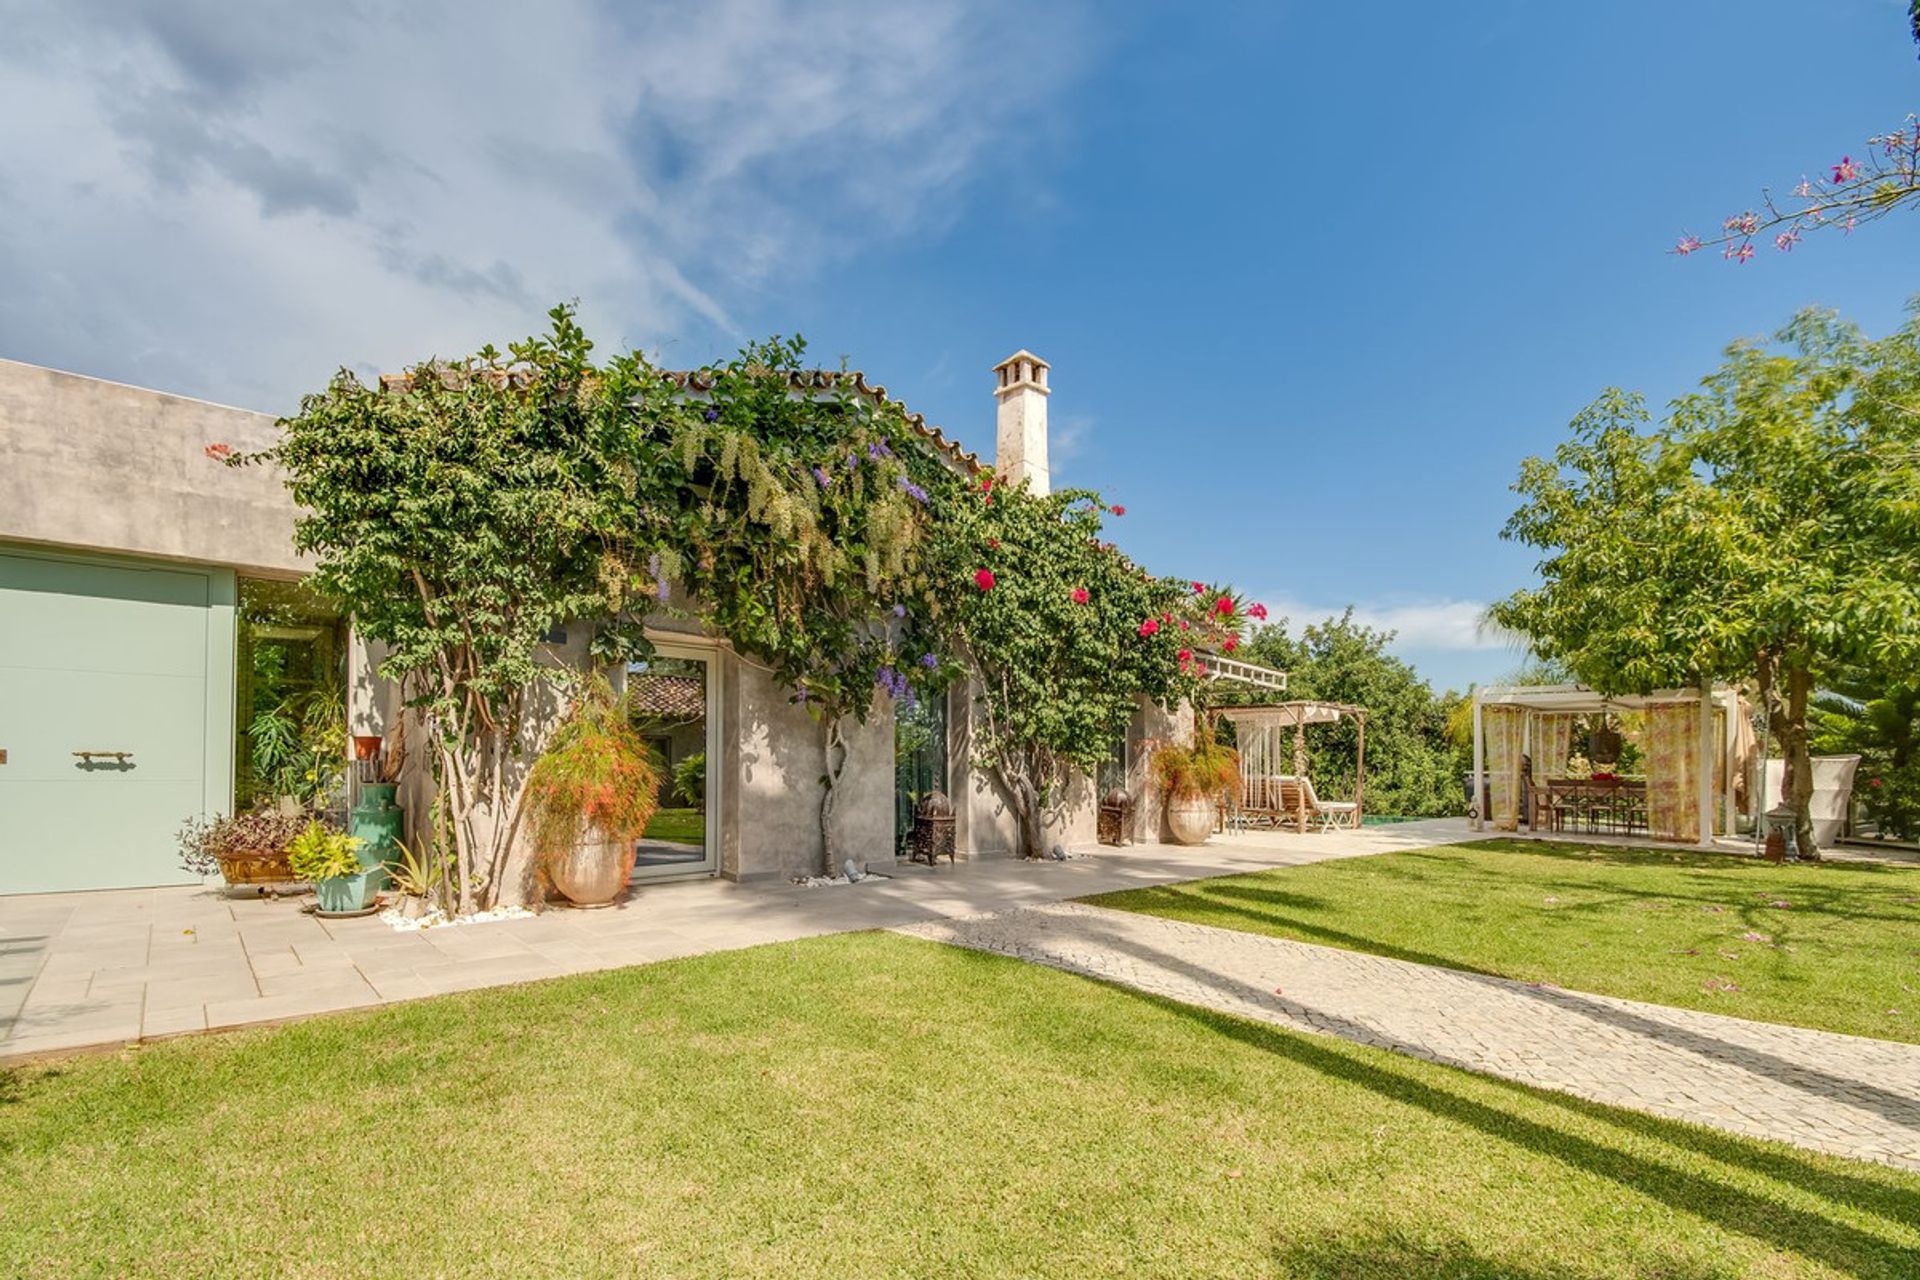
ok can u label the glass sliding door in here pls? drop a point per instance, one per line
(919, 759)
(672, 699)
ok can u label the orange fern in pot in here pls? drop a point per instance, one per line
(590, 796)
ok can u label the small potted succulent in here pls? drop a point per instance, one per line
(331, 860)
(590, 796)
(1192, 778)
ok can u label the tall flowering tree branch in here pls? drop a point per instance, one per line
(1853, 191)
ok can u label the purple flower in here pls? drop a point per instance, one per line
(879, 450)
(928, 661)
(659, 577)
(852, 461)
(820, 474)
(713, 415)
(899, 611)
(913, 491)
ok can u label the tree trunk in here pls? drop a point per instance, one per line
(1028, 812)
(834, 749)
(1799, 757)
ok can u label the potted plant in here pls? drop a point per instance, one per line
(1191, 778)
(248, 849)
(331, 860)
(589, 798)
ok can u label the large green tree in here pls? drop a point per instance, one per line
(1764, 532)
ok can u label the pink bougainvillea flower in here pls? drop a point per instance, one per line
(219, 452)
(1080, 595)
(1223, 606)
(1185, 625)
(1846, 170)
(1257, 611)
(1230, 643)
(986, 484)
(983, 579)
(1117, 509)
(1150, 626)
(1166, 617)
(1199, 588)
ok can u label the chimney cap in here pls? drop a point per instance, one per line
(1022, 354)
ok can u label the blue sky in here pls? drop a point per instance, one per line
(1313, 278)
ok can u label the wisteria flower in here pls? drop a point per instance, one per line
(713, 415)
(983, 579)
(1846, 170)
(825, 480)
(1150, 627)
(913, 490)
(219, 452)
(1080, 595)
(928, 661)
(878, 450)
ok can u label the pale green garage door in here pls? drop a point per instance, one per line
(109, 656)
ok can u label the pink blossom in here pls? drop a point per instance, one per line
(1687, 245)
(1080, 595)
(1186, 656)
(1257, 611)
(1804, 190)
(1739, 253)
(1846, 170)
(1230, 643)
(219, 452)
(983, 579)
(1223, 606)
(1150, 627)
(1848, 226)
(1785, 241)
(1118, 510)
(1745, 223)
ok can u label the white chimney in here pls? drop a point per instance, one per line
(1020, 448)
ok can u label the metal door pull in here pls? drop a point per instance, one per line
(120, 757)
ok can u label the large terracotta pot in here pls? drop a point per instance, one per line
(1190, 819)
(594, 872)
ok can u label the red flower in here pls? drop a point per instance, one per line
(1080, 595)
(1232, 643)
(1223, 606)
(1118, 510)
(1186, 656)
(219, 452)
(1185, 625)
(994, 543)
(1257, 611)
(1874, 783)
(1150, 626)
(1199, 588)
(983, 579)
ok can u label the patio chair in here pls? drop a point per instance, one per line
(1296, 797)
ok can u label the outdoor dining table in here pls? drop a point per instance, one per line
(1611, 805)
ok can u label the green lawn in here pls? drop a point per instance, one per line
(683, 826)
(874, 1105)
(1827, 945)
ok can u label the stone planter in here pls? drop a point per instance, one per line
(1191, 819)
(592, 873)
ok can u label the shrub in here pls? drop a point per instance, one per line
(321, 853)
(690, 778)
(1205, 769)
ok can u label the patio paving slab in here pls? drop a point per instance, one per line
(1841, 1094)
(178, 959)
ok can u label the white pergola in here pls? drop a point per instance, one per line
(1267, 731)
(1578, 699)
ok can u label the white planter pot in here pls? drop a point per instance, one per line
(1190, 820)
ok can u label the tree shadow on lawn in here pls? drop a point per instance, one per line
(1263, 900)
(1835, 1243)
(1393, 1256)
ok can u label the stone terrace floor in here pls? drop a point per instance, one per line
(85, 970)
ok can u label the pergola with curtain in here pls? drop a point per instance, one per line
(1697, 746)
(1272, 742)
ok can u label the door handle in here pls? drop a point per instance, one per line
(119, 757)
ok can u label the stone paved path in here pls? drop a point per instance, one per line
(1841, 1094)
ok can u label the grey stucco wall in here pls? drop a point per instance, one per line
(773, 764)
(96, 465)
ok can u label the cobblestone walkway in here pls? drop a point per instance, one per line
(1841, 1094)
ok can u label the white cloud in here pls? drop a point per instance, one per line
(1418, 626)
(232, 200)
